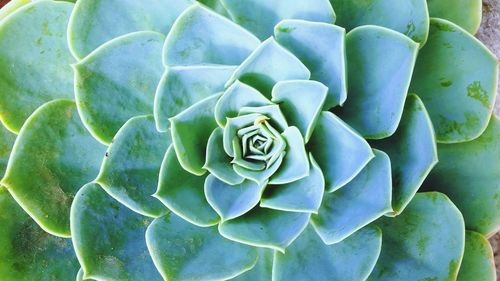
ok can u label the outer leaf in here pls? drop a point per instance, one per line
(201, 36)
(7, 140)
(34, 60)
(478, 263)
(413, 152)
(456, 77)
(363, 200)
(190, 132)
(183, 194)
(218, 162)
(303, 195)
(262, 270)
(183, 86)
(325, 58)
(308, 257)
(260, 16)
(466, 13)
(11, 7)
(425, 242)
(340, 151)
(408, 17)
(130, 169)
(380, 63)
(95, 22)
(117, 81)
(52, 158)
(27, 251)
(301, 102)
(117, 251)
(267, 65)
(215, 5)
(469, 173)
(182, 251)
(265, 228)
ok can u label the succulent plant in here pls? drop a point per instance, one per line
(247, 140)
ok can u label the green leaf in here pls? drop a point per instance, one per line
(456, 78)
(295, 164)
(469, 174)
(130, 169)
(238, 95)
(190, 132)
(11, 7)
(409, 17)
(325, 58)
(34, 60)
(262, 270)
(183, 86)
(363, 200)
(260, 177)
(118, 81)
(52, 158)
(215, 5)
(260, 16)
(465, 13)
(339, 150)
(380, 64)
(265, 228)
(478, 263)
(218, 162)
(201, 36)
(183, 194)
(350, 260)
(182, 251)
(425, 242)
(95, 22)
(232, 201)
(232, 127)
(413, 153)
(29, 253)
(303, 195)
(109, 238)
(301, 102)
(267, 65)
(7, 140)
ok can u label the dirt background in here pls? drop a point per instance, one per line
(489, 33)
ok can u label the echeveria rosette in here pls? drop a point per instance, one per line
(246, 140)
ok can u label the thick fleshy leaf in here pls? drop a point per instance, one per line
(182, 251)
(301, 102)
(303, 195)
(52, 158)
(465, 13)
(265, 228)
(308, 257)
(218, 162)
(183, 192)
(7, 140)
(363, 200)
(325, 58)
(109, 238)
(260, 177)
(183, 86)
(29, 253)
(231, 201)
(260, 16)
(267, 65)
(409, 17)
(190, 132)
(95, 22)
(11, 7)
(425, 242)
(413, 152)
(295, 164)
(118, 81)
(263, 270)
(201, 36)
(469, 173)
(215, 5)
(478, 263)
(130, 169)
(456, 77)
(273, 112)
(34, 60)
(232, 127)
(339, 150)
(380, 63)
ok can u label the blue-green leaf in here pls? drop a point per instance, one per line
(465, 13)
(478, 263)
(218, 162)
